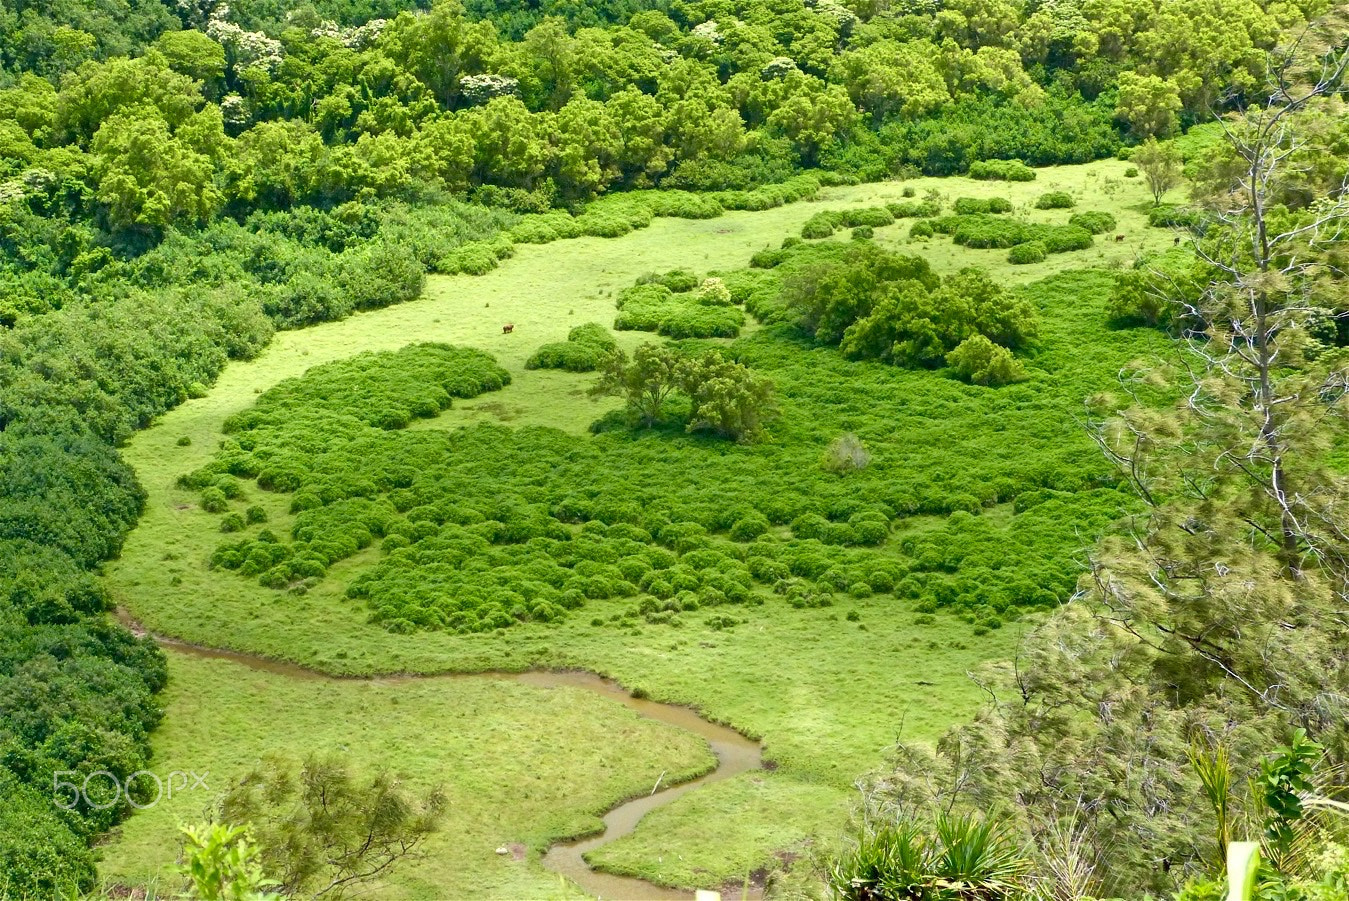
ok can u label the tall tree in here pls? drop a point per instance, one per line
(1160, 165)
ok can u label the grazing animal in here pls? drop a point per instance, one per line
(1119, 239)
(508, 328)
(1177, 241)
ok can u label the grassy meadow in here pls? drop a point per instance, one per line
(827, 689)
(519, 765)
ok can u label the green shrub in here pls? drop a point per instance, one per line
(1064, 238)
(863, 233)
(1093, 221)
(232, 522)
(970, 205)
(565, 355)
(677, 280)
(876, 217)
(683, 204)
(985, 231)
(1170, 215)
(544, 228)
(584, 350)
(749, 528)
(921, 229)
(914, 209)
(821, 225)
(1054, 200)
(1131, 172)
(702, 322)
(255, 514)
(980, 361)
(1029, 252)
(1001, 170)
(213, 500)
(471, 259)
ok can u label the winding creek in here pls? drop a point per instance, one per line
(734, 752)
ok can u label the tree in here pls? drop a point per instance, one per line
(148, 178)
(889, 78)
(1148, 104)
(646, 380)
(589, 144)
(1160, 165)
(193, 54)
(322, 830)
(724, 396)
(814, 117)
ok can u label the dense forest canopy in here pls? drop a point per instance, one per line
(180, 178)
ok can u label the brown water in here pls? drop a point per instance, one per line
(735, 754)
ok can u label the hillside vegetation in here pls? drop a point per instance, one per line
(747, 227)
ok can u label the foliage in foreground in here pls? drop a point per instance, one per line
(322, 830)
(955, 857)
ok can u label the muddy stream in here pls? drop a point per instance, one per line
(734, 752)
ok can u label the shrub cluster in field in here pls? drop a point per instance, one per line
(969, 205)
(583, 351)
(1055, 200)
(487, 526)
(985, 231)
(875, 304)
(1001, 170)
(824, 223)
(679, 307)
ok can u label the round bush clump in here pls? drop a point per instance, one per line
(1131, 172)
(1063, 238)
(471, 259)
(875, 216)
(921, 229)
(232, 522)
(749, 528)
(1030, 252)
(1054, 200)
(821, 225)
(1094, 221)
(1001, 170)
(213, 500)
(863, 233)
(255, 515)
(184, 441)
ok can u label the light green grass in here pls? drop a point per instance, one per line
(827, 696)
(518, 764)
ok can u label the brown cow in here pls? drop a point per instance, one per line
(1119, 239)
(1177, 241)
(508, 328)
